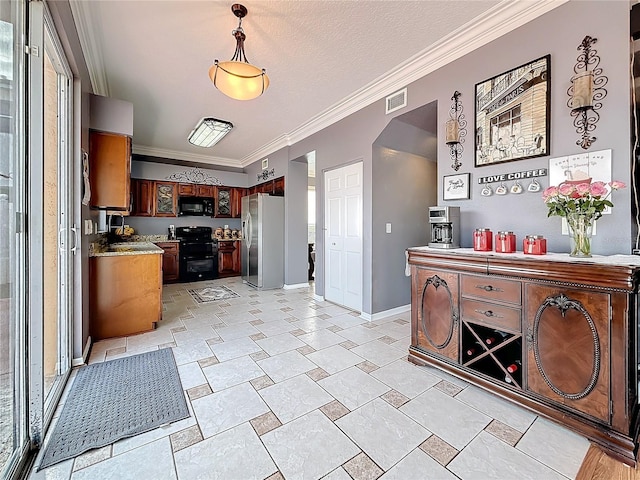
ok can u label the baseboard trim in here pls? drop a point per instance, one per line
(76, 362)
(318, 298)
(386, 313)
(295, 285)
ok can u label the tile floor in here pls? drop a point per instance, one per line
(283, 386)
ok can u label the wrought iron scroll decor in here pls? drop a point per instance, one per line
(438, 282)
(194, 175)
(265, 174)
(564, 303)
(456, 130)
(586, 92)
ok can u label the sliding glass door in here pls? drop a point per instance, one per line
(13, 411)
(53, 237)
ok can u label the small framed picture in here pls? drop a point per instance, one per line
(456, 187)
(265, 163)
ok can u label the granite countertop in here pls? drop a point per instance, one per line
(126, 248)
(228, 239)
(633, 260)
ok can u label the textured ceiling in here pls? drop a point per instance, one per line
(156, 54)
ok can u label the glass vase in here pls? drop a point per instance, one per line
(580, 230)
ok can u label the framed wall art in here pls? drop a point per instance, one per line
(456, 187)
(512, 119)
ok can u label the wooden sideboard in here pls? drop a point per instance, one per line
(556, 335)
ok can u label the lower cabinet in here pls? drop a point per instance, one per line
(125, 295)
(564, 347)
(170, 261)
(229, 258)
(436, 316)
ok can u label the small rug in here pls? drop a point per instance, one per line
(117, 399)
(212, 294)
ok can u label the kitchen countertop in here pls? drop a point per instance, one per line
(127, 248)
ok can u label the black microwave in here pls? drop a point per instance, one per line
(195, 206)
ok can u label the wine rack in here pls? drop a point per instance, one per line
(493, 353)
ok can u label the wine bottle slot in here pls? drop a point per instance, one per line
(514, 367)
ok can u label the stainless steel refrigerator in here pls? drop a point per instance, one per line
(263, 240)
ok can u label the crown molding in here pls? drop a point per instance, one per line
(188, 157)
(494, 23)
(90, 49)
(280, 142)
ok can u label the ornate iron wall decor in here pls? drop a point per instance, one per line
(438, 282)
(456, 130)
(265, 174)
(194, 175)
(564, 304)
(586, 92)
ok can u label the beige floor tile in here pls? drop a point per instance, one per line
(362, 467)
(504, 432)
(265, 423)
(334, 410)
(185, 438)
(439, 450)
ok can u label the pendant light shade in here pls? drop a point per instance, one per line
(237, 78)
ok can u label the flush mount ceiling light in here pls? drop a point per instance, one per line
(237, 78)
(209, 131)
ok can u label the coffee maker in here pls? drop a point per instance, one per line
(444, 227)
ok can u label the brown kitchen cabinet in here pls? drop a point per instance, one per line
(278, 187)
(223, 202)
(564, 346)
(226, 267)
(109, 170)
(170, 261)
(237, 257)
(125, 294)
(204, 191)
(236, 201)
(187, 189)
(142, 193)
(437, 312)
(165, 199)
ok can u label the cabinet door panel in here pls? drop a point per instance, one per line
(166, 200)
(109, 170)
(187, 189)
(142, 197)
(435, 321)
(568, 348)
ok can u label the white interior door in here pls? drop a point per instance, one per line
(343, 236)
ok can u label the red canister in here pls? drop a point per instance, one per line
(505, 242)
(534, 245)
(482, 240)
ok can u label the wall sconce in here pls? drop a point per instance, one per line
(455, 131)
(586, 92)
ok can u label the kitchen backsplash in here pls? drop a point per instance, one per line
(160, 225)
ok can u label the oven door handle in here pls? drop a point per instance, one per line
(197, 257)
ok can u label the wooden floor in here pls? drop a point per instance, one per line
(599, 466)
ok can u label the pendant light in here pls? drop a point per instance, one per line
(237, 78)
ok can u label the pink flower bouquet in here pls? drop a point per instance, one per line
(584, 198)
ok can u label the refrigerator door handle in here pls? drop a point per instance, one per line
(249, 230)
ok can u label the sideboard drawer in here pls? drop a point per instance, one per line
(492, 288)
(491, 314)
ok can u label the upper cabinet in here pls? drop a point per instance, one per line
(223, 202)
(272, 187)
(187, 189)
(165, 199)
(109, 170)
(236, 201)
(142, 193)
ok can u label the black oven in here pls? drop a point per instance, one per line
(198, 254)
(195, 206)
